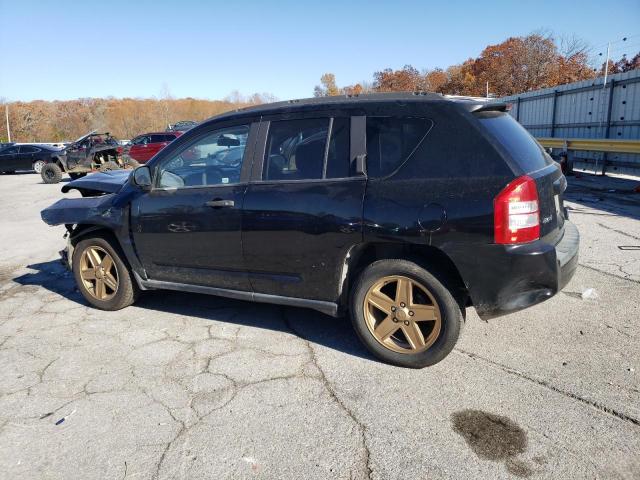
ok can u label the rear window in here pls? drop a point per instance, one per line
(391, 141)
(515, 139)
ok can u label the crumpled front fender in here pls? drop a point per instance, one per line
(92, 210)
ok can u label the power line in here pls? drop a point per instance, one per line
(614, 42)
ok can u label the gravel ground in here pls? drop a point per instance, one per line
(190, 386)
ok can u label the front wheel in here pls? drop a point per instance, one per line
(37, 165)
(51, 173)
(404, 315)
(102, 276)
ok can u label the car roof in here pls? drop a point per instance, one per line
(353, 101)
(176, 132)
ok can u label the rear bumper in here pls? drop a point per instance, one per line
(520, 276)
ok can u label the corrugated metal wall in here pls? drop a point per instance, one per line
(586, 110)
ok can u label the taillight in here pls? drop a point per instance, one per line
(516, 215)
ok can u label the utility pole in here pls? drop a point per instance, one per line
(6, 113)
(606, 66)
(487, 89)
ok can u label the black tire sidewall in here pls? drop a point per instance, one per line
(55, 169)
(127, 290)
(451, 315)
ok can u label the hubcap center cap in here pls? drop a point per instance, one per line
(402, 314)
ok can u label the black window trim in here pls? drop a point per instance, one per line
(261, 146)
(245, 168)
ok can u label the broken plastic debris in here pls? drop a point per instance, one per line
(589, 294)
(65, 417)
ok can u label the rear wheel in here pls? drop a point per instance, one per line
(51, 173)
(38, 164)
(102, 276)
(404, 315)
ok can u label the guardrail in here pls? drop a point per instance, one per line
(592, 144)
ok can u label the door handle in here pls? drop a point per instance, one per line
(219, 203)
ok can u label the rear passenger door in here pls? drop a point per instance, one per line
(26, 157)
(302, 210)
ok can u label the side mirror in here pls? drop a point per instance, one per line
(142, 177)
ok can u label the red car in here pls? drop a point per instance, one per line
(144, 147)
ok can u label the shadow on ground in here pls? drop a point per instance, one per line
(335, 333)
(611, 195)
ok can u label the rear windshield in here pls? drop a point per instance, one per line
(515, 139)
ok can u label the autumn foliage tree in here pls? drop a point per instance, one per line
(518, 64)
(124, 117)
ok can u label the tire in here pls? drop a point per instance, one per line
(51, 173)
(108, 166)
(76, 175)
(37, 165)
(126, 291)
(429, 297)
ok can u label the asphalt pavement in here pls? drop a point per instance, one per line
(190, 386)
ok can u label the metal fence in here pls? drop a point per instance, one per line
(587, 109)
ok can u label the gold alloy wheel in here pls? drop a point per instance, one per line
(402, 314)
(99, 273)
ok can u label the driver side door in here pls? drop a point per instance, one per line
(187, 229)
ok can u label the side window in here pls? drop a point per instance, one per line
(339, 147)
(141, 140)
(295, 149)
(212, 159)
(10, 151)
(169, 138)
(391, 141)
(28, 149)
(157, 138)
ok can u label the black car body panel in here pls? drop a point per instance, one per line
(302, 241)
(23, 156)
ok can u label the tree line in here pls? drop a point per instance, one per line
(60, 121)
(519, 64)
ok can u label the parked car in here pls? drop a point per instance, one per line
(144, 147)
(93, 151)
(28, 157)
(400, 209)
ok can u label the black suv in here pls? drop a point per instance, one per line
(401, 209)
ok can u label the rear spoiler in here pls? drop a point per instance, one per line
(490, 107)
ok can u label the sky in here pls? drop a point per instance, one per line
(207, 49)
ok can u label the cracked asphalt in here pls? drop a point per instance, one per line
(189, 386)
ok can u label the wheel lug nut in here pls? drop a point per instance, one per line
(395, 319)
(402, 305)
(411, 314)
(406, 322)
(393, 309)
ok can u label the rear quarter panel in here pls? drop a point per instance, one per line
(443, 195)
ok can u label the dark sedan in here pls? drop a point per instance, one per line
(27, 157)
